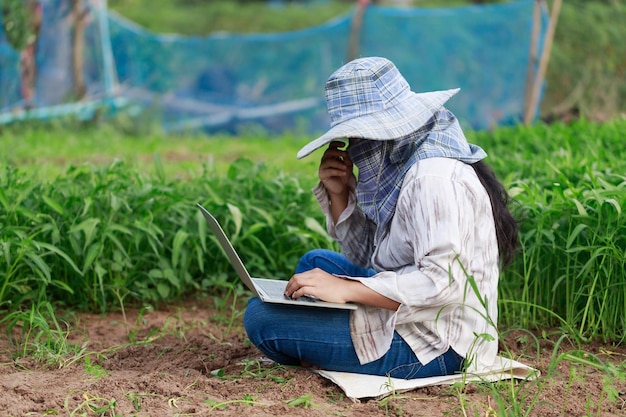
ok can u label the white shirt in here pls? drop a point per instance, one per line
(442, 232)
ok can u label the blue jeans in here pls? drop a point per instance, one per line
(292, 335)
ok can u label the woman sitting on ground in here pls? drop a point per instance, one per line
(424, 231)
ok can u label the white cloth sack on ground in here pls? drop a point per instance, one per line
(358, 386)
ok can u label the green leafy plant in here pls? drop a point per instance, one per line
(101, 237)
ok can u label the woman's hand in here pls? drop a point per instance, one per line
(320, 284)
(336, 175)
(335, 169)
(327, 287)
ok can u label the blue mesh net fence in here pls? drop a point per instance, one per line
(225, 82)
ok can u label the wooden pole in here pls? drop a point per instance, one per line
(355, 30)
(534, 47)
(78, 48)
(108, 64)
(543, 63)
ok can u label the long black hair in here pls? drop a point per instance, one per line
(507, 228)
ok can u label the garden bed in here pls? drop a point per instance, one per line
(194, 359)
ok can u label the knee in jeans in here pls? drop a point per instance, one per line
(308, 261)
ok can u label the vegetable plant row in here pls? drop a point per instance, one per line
(98, 237)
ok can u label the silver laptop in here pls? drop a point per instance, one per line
(268, 290)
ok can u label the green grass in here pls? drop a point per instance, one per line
(48, 150)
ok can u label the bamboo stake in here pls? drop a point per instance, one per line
(78, 48)
(534, 46)
(110, 77)
(543, 63)
(355, 30)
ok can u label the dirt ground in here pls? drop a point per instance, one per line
(194, 360)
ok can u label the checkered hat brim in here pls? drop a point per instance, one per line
(368, 98)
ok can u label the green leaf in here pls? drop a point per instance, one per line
(89, 227)
(214, 196)
(316, 227)
(151, 232)
(6, 251)
(269, 219)
(155, 273)
(62, 254)
(170, 275)
(253, 229)
(177, 246)
(581, 209)
(577, 230)
(3, 200)
(202, 229)
(40, 264)
(119, 228)
(163, 290)
(615, 204)
(54, 206)
(63, 285)
(100, 271)
(237, 216)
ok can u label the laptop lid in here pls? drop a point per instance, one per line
(231, 254)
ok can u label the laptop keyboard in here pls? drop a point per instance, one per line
(274, 289)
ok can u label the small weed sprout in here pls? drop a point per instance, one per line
(303, 401)
(248, 399)
(93, 369)
(136, 399)
(92, 405)
(389, 401)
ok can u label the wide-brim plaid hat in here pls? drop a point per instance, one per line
(368, 98)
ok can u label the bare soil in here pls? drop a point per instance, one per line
(194, 360)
